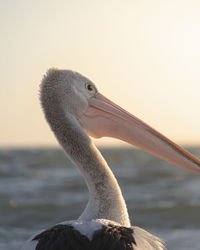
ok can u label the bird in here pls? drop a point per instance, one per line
(76, 111)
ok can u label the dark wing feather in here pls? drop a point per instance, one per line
(113, 237)
(61, 237)
(65, 237)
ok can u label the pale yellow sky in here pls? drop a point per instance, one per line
(144, 55)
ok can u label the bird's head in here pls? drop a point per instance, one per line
(71, 93)
(68, 90)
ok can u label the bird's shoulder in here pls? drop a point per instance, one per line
(93, 235)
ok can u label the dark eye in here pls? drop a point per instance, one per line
(90, 87)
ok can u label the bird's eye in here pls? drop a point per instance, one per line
(90, 88)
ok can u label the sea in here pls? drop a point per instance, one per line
(40, 187)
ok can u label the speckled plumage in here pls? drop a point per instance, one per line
(106, 200)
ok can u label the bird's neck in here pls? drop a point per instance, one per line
(106, 200)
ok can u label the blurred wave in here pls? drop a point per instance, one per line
(41, 187)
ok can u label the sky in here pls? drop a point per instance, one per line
(144, 55)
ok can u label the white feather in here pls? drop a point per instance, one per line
(31, 244)
(147, 241)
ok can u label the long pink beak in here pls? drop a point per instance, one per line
(104, 118)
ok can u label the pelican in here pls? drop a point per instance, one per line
(75, 110)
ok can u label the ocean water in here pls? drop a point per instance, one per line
(40, 187)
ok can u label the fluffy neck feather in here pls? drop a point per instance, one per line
(106, 200)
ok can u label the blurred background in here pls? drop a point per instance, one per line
(145, 56)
